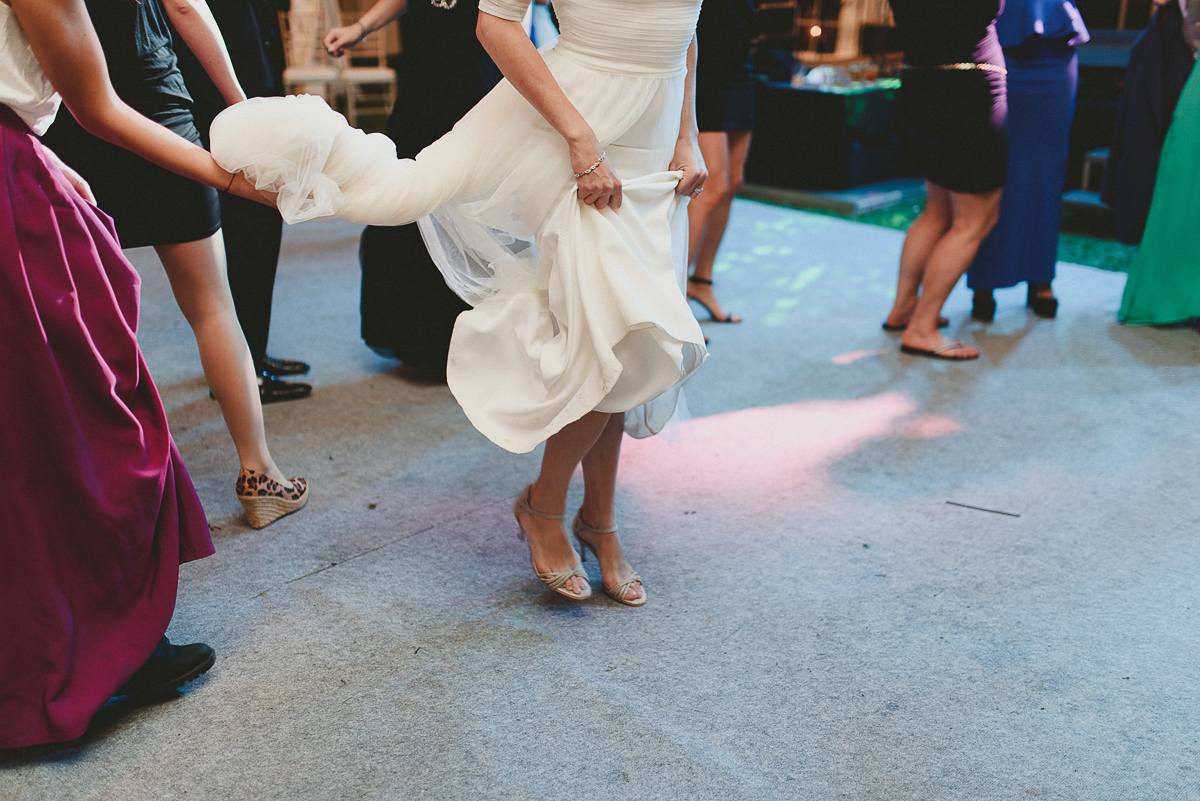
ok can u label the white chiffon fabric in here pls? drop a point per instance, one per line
(574, 309)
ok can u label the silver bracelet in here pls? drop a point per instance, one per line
(592, 168)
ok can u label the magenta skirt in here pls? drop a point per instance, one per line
(98, 511)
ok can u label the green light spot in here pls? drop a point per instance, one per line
(807, 276)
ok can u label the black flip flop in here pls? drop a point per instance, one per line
(940, 351)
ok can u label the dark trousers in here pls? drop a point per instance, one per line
(252, 235)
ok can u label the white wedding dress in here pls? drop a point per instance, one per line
(574, 309)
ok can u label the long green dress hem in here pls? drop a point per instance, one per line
(1164, 281)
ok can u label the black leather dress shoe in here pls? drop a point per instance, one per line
(279, 367)
(272, 390)
(169, 668)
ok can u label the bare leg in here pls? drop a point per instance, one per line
(548, 541)
(923, 234)
(714, 147)
(708, 214)
(973, 217)
(600, 486)
(197, 274)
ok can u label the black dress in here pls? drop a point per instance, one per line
(150, 205)
(955, 114)
(724, 82)
(408, 312)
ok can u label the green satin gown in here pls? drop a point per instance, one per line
(1164, 281)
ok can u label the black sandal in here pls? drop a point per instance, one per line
(983, 306)
(728, 318)
(1042, 307)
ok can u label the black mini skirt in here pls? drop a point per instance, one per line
(725, 97)
(957, 121)
(149, 205)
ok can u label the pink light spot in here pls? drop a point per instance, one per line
(930, 426)
(854, 355)
(764, 455)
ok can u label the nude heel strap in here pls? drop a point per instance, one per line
(581, 525)
(618, 591)
(553, 580)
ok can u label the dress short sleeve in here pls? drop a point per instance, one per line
(1051, 19)
(513, 10)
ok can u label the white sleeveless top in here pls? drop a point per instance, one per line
(23, 86)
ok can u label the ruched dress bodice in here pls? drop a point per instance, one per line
(648, 37)
(576, 309)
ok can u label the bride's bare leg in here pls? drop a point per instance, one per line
(197, 274)
(599, 491)
(548, 539)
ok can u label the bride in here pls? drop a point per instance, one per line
(557, 209)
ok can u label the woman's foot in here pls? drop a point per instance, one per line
(555, 562)
(1041, 300)
(937, 347)
(983, 305)
(617, 576)
(888, 325)
(268, 469)
(701, 291)
(265, 500)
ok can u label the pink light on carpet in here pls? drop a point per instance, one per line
(930, 426)
(770, 455)
(852, 356)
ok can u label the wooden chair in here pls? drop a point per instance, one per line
(365, 66)
(309, 68)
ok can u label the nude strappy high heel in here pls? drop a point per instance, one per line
(554, 581)
(618, 591)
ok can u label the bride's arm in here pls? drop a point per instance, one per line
(687, 147)
(65, 45)
(509, 46)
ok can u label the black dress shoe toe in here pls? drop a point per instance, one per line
(272, 390)
(169, 668)
(283, 366)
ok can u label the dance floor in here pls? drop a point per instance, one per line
(871, 576)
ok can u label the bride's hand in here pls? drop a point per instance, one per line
(688, 159)
(601, 187)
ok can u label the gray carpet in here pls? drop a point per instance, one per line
(870, 576)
